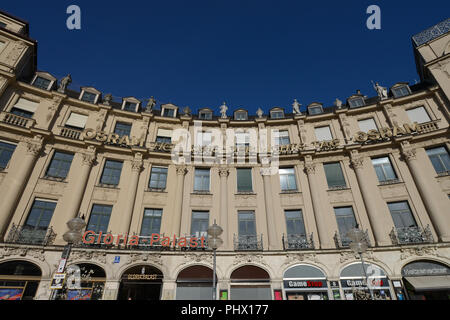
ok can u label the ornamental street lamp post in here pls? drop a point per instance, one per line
(214, 242)
(72, 237)
(359, 245)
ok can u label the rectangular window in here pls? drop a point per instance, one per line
(205, 115)
(164, 136)
(25, 108)
(400, 91)
(277, 114)
(169, 113)
(240, 115)
(335, 177)
(356, 102)
(6, 151)
(76, 120)
(42, 83)
(201, 180)
(158, 178)
(130, 106)
(323, 133)
(99, 219)
(282, 138)
(88, 97)
(111, 172)
(60, 165)
(367, 124)
(294, 222)
(401, 214)
(203, 139)
(384, 170)
(287, 179)
(418, 115)
(200, 224)
(122, 129)
(151, 222)
(346, 221)
(242, 139)
(247, 223)
(440, 159)
(315, 110)
(39, 217)
(244, 180)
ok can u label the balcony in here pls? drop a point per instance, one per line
(342, 241)
(298, 242)
(428, 126)
(70, 133)
(411, 235)
(16, 120)
(30, 235)
(248, 243)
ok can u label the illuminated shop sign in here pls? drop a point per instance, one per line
(291, 284)
(378, 282)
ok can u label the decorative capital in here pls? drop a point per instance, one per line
(409, 154)
(34, 146)
(224, 172)
(88, 158)
(357, 163)
(136, 165)
(181, 170)
(310, 168)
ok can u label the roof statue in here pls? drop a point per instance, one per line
(259, 113)
(338, 103)
(382, 91)
(64, 83)
(223, 110)
(150, 104)
(107, 99)
(296, 107)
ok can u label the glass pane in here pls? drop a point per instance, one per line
(345, 219)
(6, 151)
(401, 214)
(334, 175)
(244, 180)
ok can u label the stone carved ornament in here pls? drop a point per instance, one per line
(146, 257)
(22, 252)
(248, 258)
(299, 257)
(419, 251)
(199, 257)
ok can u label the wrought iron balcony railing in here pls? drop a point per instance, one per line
(411, 235)
(248, 243)
(298, 242)
(30, 235)
(342, 241)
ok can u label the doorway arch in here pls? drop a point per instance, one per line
(19, 280)
(141, 282)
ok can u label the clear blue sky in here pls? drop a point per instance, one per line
(251, 54)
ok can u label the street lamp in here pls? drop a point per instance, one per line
(214, 242)
(72, 237)
(359, 245)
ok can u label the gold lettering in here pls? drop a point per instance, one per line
(412, 128)
(101, 136)
(89, 134)
(125, 140)
(373, 135)
(361, 136)
(113, 137)
(386, 132)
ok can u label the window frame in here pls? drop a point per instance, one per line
(247, 221)
(237, 180)
(329, 130)
(82, 94)
(100, 215)
(442, 162)
(386, 180)
(10, 156)
(59, 165)
(287, 175)
(346, 217)
(112, 169)
(202, 222)
(343, 185)
(408, 207)
(418, 107)
(400, 87)
(158, 181)
(241, 112)
(120, 123)
(37, 224)
(299, 218)
(156, 214)
(351, 102)
(202, 186)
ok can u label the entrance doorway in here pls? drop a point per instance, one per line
(141, 283)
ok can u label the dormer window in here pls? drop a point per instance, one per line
(205, 114)
(89, 95)
(240, 115)
(277, 114)
(401, 90)
(315, 109)
(356, 102)
(130, 104)
(43, 80)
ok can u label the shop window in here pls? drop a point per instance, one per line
(158, 178)
(419, 115)
(99, 218)
(19, 280)
(367, 124)
(122, 129)
(440, 159)
(201, 180)
(384, 170)
(287, 179)
(199, 224)
(334, 175)
(111, 172)
(244, 180)
(6, 152)
(60, 165)
(195, 283)
(258, 290)
(151, 222)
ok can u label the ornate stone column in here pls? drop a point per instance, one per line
(325, 235)
(136, 167)
(176, 222)
(381, 233)
(79, 185)
(270, 219)
(440, 218)
(16, 183)
(223, 221)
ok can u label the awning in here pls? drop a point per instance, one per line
(429, 283)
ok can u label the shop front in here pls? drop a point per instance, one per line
(19, 280)
(305, 282)
(141, 282)
(354, 283)
(195, 283)
(250, 283)
(426, 280)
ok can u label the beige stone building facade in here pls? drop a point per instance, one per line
(379, 163)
